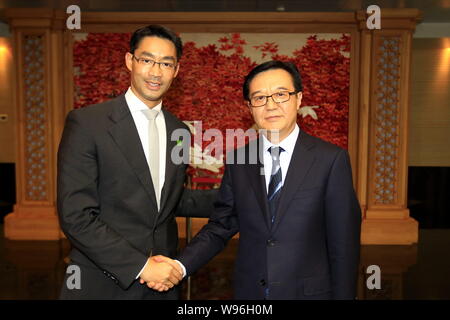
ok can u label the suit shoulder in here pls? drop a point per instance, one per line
(96, 110)
(246, 154)
(322, 146)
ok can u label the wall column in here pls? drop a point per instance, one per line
(38, 95)
(385, 75)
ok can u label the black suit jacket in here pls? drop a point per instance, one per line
(312, 249)
(106, 201)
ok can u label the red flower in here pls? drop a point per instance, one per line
(100, 73)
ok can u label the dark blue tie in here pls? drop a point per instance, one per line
(275, 184)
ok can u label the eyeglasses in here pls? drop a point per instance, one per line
(151, 63)
(277, 97)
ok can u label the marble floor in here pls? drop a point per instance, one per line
(35, 270)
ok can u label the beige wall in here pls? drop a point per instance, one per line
(7, 129)
(429, 134)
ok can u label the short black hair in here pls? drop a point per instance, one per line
(156, 31)
(269, 65)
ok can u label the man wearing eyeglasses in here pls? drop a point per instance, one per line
(296, 211)
(117, 186)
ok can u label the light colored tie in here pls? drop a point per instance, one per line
(153, 150)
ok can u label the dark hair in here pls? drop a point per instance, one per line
(156, 31)
(269, 65)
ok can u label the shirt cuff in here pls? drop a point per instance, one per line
(139, 274)
(182, 267)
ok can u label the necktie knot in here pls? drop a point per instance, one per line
(151, 114)
(275, 153)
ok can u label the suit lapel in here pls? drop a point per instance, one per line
(301, 161)
(124, 133)
(171, 168)
(257, 180)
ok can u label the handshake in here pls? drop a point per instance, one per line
(161, 273)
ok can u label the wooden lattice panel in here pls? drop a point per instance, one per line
(34, 118)
(386, 123)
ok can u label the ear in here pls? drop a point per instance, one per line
(177, 68)
(249, 107)
(299, 99)
(129, 61)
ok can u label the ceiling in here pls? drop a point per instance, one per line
(432, 10)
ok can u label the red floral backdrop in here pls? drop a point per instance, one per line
(209, 84)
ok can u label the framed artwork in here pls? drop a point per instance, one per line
(208, 88)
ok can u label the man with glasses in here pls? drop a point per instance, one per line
(296, 211)
(117, 186)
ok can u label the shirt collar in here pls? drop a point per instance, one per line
(135, 104)
(288, 143)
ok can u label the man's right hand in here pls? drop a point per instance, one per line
(161, 273)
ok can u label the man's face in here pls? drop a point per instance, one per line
(277, 117)
(150, 82)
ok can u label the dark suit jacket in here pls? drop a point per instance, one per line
(311, 251)
(107, 204)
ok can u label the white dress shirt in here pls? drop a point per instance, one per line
(140, 120)
(288, 144)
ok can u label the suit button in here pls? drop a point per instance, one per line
(262, 282)
(270, 243)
